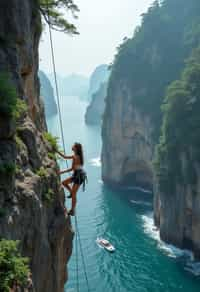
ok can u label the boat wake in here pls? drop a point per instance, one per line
(95, 162)
(170, 250)
(139, 189)
(143, 203)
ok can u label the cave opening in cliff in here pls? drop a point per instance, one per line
(137, 174)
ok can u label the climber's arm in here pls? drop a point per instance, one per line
(64, 156)
(65, 171)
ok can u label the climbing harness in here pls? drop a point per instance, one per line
(77, 233)
(80, 177)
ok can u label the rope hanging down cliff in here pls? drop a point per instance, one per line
(56, 87)
(78, 238)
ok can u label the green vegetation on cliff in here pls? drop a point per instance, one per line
(52, 11)
(155, 56)
(13, 267)
(7, 168)
(180, 130)
(10, 105)
(48, 197)
(8, 96)
(53, 141)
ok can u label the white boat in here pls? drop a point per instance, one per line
(105, 244)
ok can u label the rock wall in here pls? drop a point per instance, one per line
(95, 110)
(40, 224)
(142, 70)
(176, 212)
(47, 95)
(127, 149)
(99, 76)
(177, 167)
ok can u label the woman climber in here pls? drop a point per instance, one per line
(79, 176)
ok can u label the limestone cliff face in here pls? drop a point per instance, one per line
(176, 211)
(95, 110)
(177, 167)
(41, 225)
(47, 95)
(127, 144)
(99, 76)
(133, 121)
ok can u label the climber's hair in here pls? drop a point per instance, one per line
(79, 152)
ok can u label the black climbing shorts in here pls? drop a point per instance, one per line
(79, 177)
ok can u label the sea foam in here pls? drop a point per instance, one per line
(142, 203)
(95, 162)
(170, 250)
(139, 189)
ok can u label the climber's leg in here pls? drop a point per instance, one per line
(75, 188)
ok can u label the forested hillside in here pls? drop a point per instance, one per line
(180, 128)
(155, 56)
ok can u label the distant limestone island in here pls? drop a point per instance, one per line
(72, 85)
(91, 89)
(47, 95)
(97, 94)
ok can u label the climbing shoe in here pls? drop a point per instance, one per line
(71, 213)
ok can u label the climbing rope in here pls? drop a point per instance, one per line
(82, 254)
(77, 273)
(78, 238)
(56, 87)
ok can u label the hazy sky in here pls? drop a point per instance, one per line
(102, 25)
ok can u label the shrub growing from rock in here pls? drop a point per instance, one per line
(13, 267)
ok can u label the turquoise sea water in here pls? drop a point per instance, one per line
(141, 262)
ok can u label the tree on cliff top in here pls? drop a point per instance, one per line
(53, 13)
